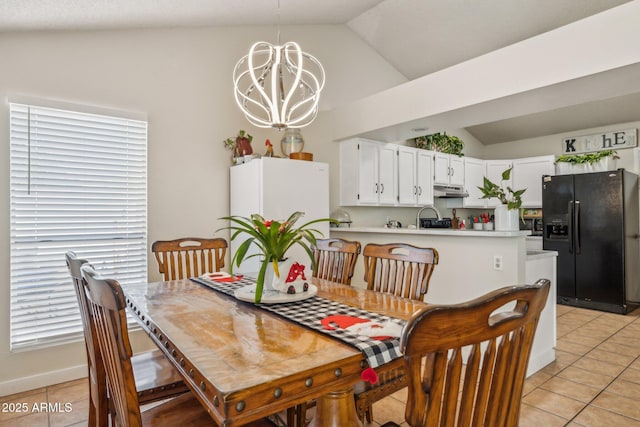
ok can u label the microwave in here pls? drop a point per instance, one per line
(533, 224)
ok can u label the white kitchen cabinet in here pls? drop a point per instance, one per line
(474, 172)
(368, 173)
(494, 174)
(448, 169)
(424, 178)
(415, 176)
(388, 174)
(527, 173)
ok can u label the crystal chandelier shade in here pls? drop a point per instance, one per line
(278, 86)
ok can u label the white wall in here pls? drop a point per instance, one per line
(181, 78)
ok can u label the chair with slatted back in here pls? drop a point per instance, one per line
(189, 257)
(495, 334)
(107, 307)
(403, 270)
(400, 269)
(156, 378)
(335, 259)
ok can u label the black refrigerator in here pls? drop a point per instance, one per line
(591, 220)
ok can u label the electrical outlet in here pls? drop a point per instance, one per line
(497, 262)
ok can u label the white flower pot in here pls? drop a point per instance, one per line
(506, 219)
(269, 277)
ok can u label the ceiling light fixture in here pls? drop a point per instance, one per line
(278, 86)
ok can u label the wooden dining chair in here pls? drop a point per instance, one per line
(398, 268)
(495, 332)
(335, 259)
(403, 270)
(107, 307)
(189, 257)
(156, 378)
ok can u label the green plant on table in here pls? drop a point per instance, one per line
(507, 196)
(272, 238)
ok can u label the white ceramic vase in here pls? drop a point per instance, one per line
(269, 277)
(506, 219)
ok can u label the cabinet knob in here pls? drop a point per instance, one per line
(419, 190)
(381, 188)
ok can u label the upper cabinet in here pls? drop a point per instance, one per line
(388, 174)
(415, 176)
(494, 174)
(474, 172)
(380, 174)
(368, 173)
(448, 169)
(527, 173)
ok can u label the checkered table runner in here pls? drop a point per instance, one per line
(311, 311)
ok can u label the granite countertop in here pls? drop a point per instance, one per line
(433, 232)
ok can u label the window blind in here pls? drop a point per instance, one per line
(78, 182)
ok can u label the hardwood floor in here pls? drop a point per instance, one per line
(595, 381)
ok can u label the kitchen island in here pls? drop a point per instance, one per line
(473, 263)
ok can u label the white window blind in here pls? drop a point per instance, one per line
(78, 182)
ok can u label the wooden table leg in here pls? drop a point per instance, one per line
(336, 409)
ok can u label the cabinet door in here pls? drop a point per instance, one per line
(368, 186)
(494, 173)
(527, 173)
(388, 174)
(456, 170)
(424, 177)
(474, 171)
(407, 185)
(441, 169)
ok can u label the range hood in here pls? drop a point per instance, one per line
(449, 191)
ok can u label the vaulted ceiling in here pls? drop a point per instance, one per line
(417, 37)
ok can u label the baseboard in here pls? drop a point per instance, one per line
(539, 361)
(44, 379)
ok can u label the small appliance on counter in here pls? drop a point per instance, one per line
(435, 223)
(533, 224)
(393, 223)
(343, 218)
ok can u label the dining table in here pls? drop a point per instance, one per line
(246, 361)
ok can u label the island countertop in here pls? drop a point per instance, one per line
(472, 263)
(432, 232)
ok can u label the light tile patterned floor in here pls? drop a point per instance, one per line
(595, 381)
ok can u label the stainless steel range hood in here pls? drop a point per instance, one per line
(449, 191)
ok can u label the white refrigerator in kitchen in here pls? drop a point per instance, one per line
(275, 188)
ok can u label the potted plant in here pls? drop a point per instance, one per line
(240, 145)
(440, 142)
(505, 215)
(272, 239)
(589, 162)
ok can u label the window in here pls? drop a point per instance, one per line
(78, 182)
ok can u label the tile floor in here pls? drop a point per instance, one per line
(595, 381)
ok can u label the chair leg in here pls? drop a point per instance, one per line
(301, 415)
(291, 416)
(296, 416)
(369, 413)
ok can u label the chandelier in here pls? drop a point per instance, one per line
(278, 86)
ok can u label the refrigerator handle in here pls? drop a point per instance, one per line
(577, 225)
(571, 230)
